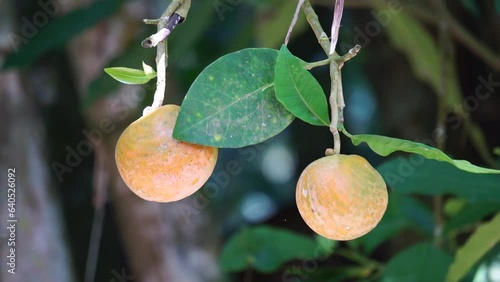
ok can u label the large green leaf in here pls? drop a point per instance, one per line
(298, 90)
(480, 242)
(265, 249)
(232, 102)
(428, 177)
(421, 262)
(60, 31)
(384, 146)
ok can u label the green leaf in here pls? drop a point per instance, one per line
(298, 90)
(421, 262)
(384, 146)
(264, 249)
(129, 76)
(483, 239)
(485, 271)
(104, 85)
(59, 31)
(325, 246)
(232, 103)
(148, 70)
(428, 177)
(453, 206)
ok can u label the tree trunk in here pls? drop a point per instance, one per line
(40, 250)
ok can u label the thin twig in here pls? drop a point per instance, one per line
(337, 16)
(336, 99)
(349, 55)
(162, 34)
(175, 13)
(310, 66)
(100, 184)
(294, 21)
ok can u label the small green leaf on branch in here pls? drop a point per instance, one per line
(131, 76)
(148, 70)
(298, 90)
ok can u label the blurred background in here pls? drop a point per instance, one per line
(428, 71)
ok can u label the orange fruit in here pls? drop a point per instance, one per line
(157, 167)
(341, 197)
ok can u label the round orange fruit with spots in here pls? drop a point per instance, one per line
(341, 197)
(157, 167)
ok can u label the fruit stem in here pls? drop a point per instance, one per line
(175, 12)
(336, 104)
(336, 99)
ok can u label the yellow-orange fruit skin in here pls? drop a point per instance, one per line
(341, 197)
(157, 167)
